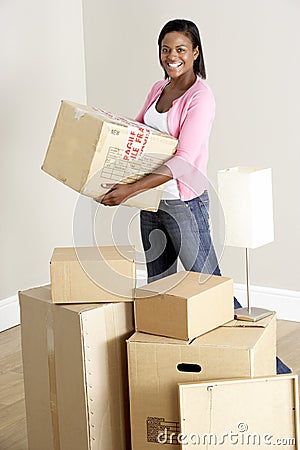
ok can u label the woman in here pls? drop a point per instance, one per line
(181, 105)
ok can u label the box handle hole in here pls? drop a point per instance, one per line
(187, 367)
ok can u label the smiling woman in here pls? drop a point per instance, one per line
(182, 105)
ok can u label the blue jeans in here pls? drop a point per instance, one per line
(180, 229)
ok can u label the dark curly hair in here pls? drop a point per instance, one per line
(190, 30)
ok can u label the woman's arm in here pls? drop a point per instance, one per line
(121, 192)
(192, 148)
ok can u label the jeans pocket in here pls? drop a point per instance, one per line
(177, 203)
(204, 212)
(204, 198)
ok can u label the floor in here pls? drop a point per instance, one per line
(13, 434)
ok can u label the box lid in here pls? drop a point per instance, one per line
(233, 335)
(261, 410)
(182, 284)
(122, 252)
(145, 338)
(230, 335)
(43, 294)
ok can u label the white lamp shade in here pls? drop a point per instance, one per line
(246, 198)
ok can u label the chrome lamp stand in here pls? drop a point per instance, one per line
(250, 314)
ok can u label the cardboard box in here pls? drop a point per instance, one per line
(90, 146)
(259, 413)
(75, 373)
(92, 274)
(184, 305)
(156, 364)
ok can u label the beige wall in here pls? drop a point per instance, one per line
(252, 57)
(42, 61)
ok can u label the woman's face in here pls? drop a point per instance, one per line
(177, 54)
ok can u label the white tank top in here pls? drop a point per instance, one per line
(159, 122)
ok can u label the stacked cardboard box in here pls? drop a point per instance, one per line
(90, 147)
(92, 274)
(184, 305)
(74, 335)
(74, 353)
(209, 345)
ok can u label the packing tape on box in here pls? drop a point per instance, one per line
(52, 376)
(118, 386)
(105, 114)
(101, 403)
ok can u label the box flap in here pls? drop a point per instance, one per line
(43, 294)
(276, 396)
(139, 337)
(236, 337)
(238, 333)
(224, 336)
(122, 252)
(182, 284)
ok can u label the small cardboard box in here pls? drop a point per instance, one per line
(92, 274)
(255, 413)
(75, 373)
(156, 364)
(90, 147)
(184, 305)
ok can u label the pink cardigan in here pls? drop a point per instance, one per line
(189, 120)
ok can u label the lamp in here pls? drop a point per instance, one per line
(246, 198)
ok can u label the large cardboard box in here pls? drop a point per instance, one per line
(92, 274)
(156, 364)
(253, 413)
(184, 305)
(75, 373)
(90, 147)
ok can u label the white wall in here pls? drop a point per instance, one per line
(252, 57)
(42, 62)
(254, 68)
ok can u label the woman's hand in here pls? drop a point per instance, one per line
(116, 195)
(120, 192)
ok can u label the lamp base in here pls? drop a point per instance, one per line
(255, 314)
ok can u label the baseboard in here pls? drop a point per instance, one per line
(286, 303)
(9, 312)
